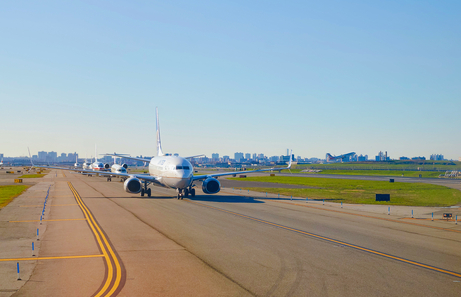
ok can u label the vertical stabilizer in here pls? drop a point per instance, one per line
(159, 142)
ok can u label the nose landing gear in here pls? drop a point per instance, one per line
(187, 192)
(146, 190)
(180, 194)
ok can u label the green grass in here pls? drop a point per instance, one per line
(406, 173)
(389, 165)
(361, 191)
(32, 175)
(8, 193)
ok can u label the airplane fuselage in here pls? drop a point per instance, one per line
(117, 168)
(98, 166)
(172, 171)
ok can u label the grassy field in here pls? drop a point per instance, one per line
(8, 193)
(390, 165)
(32, 175)
(433, 174)
(361, 192)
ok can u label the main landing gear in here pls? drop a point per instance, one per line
(186, 193)
(145, 190)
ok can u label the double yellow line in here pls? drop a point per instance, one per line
(452, 273)
(114, 270)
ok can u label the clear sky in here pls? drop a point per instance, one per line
(228, 76)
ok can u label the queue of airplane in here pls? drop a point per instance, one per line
(165, 170)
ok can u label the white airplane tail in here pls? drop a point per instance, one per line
(159, 142)
(289, 163)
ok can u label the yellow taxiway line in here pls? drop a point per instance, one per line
(108, 253)
(356, 214)
(452, 273)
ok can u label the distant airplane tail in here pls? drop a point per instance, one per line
(159, 142)
(289, 163)
(329, 157)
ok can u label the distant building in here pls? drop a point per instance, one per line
(274, 158)
(382, 157)
(215, 157)
(418, 158)
(226, 158)
(404, 158)
(362, 158)
(287, 158)
(52, 156)
(42, 155)
(247, 156)
(238, 156)
(435, 157)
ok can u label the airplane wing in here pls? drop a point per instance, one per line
(198, 178)
(126, 157)
(196, 156)
(149, 178)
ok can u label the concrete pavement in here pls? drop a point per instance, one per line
(230, 244)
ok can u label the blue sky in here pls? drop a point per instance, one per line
(228, 76)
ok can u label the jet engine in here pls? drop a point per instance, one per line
(106, 166)
(124, 166)
(211, 186)
(132, 185)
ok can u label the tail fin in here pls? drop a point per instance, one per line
(159, 142)
(30, 157)
(291, 156)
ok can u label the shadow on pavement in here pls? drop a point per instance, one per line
(226, 199)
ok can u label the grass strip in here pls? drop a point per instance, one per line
(32, 175)
(8, 193)
(361, 191)
(425, 174)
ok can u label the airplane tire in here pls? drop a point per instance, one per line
(142, 192)
(192, 192)
(149, 192)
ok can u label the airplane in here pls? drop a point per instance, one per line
(96, 165)
(331, 158)
(118, 168)
(170, 171)
(76, 162)
(1, 162)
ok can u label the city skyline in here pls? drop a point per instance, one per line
(313, 77)
(380, 156)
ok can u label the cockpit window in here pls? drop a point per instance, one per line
(182, 168)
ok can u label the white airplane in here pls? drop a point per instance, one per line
(1, 162)
(96, 165)
(118, 168)
(175, 172)
(76, 162)
(172, 172)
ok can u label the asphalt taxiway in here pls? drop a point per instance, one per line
(97, 239)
